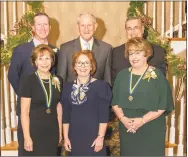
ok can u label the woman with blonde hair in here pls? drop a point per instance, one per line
(141, 99)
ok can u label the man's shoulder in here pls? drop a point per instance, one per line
(103, 43)
(24, 45)
(118, 51)
(119, 48)
(68, 43)
(157, 47)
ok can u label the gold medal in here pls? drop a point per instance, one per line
(47, 97)
(48, 111)
(131, 87)
(130, 98)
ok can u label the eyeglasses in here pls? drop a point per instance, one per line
(136, 53)
(86, 64)
(136, 28)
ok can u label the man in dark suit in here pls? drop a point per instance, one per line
(102, 51)
(135, 28)
(20, 62)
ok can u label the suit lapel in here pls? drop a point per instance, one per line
(96, 48)
(76, 46)
(31, 43)
(31, 47)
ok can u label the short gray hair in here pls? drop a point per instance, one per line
(89, 14)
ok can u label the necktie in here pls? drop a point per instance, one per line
(87, 46)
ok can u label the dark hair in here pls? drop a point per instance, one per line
(40, 49)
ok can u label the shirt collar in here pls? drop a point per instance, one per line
(37, 42)
(82, 41)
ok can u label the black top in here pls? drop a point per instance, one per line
(44, 129)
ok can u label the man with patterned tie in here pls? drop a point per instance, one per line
(102, 51)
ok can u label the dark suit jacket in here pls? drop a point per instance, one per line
(119, 61)
(102, 52)
(21, 66)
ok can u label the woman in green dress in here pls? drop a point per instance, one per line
(142, 98)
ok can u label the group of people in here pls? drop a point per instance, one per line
(68, 92)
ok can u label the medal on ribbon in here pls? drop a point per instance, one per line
(48, 97)
(131, 87)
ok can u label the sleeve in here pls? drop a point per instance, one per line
(25, 87)
(105, 96)
(165, 95)
(14, 70)
(115, 91)
(65, 105)
(107, 72)
(62, 63)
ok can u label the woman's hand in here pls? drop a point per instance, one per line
(28, 144)
(67, 145)
(128, 123)
(136, 123)
(98, 143)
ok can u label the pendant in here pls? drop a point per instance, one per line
(130, 98)
(48, 111)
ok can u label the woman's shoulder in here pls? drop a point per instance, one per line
(123, 72)
(100, 83)
(122, 75)
(67, 85)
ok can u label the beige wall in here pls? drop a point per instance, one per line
(110, 16)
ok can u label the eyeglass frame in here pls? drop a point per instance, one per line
(83, 63)
(137, 53)
(136, 28)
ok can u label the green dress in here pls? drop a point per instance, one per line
(149, 95)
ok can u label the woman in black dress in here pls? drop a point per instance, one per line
(41, 112)
(86, 104)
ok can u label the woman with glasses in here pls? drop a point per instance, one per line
(86, 104)
(141, 99)
(41, 112)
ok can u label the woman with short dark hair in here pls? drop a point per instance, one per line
(41, 112)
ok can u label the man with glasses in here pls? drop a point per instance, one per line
(135, 28)
(87, 25)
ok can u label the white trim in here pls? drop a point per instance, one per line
(175, 28)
